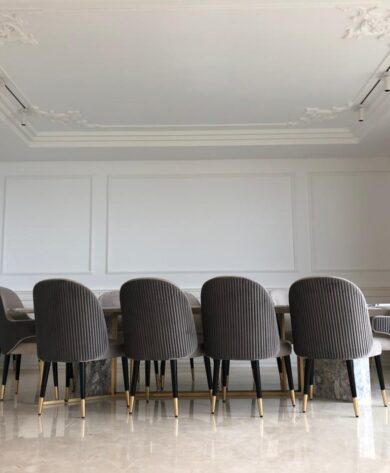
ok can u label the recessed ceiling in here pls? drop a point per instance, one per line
(198, 78)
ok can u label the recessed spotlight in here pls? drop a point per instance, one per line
(386, 80)
(361, 113)
(23, 120)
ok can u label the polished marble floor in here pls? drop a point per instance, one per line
(327, 439)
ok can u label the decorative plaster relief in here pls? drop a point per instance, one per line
(369, 21)
(12, 29)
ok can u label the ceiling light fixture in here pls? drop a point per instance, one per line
(23, 111)
(361, 113)
(386, 81)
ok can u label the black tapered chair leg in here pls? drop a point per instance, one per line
(45, 377)
(82, 388)
(280, 369)
(7, 359)
(156, 375)
(68, 377)
(192, 370)
(133, 387)
(379, 370)
(147, 380)
(55, 380)
(224, 379)
(209, 376)
(227, 373)
(352, 383)
(290, 379)
(257, 379)
(175, 388)
(126, 382)
(71, 374)
(306, 383)
(217, 364)
(311, 387)
(162, 375)
(18, 361)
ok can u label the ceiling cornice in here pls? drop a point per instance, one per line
(62, 5)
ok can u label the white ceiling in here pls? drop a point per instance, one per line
(193, 78)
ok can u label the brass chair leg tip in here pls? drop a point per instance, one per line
(213, 404)
(82, 409)
(131, 404)
(384, 397)
(304, 406)
(176, 407)
(40, 406)
(355, 406)
(260, 406)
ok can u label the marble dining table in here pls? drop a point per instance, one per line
(331, 380)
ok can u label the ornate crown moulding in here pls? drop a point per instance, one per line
(321, 114)
(12, 29)
(369, 21)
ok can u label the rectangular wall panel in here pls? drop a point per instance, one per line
(350, 228)
(218, 223)
(47, 225)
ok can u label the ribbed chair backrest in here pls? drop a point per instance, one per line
(157, 320)
(329, 319)
(239, 321)
(8, 300)
(70, 324)
(110, 299)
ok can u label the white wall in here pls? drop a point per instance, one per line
(270, 220)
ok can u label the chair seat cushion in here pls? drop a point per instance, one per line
(384, 340)
(376, 348)
(27, 346)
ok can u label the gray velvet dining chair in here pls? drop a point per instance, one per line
(70, 328)
(330, 321)
(239, 323)
(158, 325)
(17, 333)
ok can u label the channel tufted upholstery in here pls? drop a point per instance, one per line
(239, 321)
(157, 320)
(381, 328)
(70, 324)
(330, 319)
(16, 328)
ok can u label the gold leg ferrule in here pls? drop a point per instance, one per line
(384, 397)
(260, 406)
(17, 386)
(66, 397)
(292, 396)
(2, 392)
(56, 393)
(213, 403)
(82, 408)
(176, 407)
(193, 375)
(224, 392)
(157, 382)
(356, 406)
(40, 406)
(127, 393)
(227, 381)
(131, 404)
(311, 392)
(162, 380)
(304, 407)
(147, 393)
